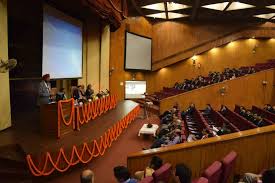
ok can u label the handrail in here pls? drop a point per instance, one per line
(212, 140)
(208, 86)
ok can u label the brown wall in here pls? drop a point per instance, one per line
(136, 25)
(255, 149)
(235, 54)
(247, 91)
(174, 42)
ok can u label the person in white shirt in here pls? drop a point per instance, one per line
(44, 92)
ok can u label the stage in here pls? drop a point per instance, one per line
(25, 132)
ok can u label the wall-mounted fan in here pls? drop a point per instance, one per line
(7, 65)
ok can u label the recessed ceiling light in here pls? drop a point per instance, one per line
(172, 15)
(171, 6)
(265, 16)
(158, 15)
(217, 6)
(271, 7)
(239, 6)
(232, 6)
(157, 6)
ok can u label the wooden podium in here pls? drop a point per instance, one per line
(49, 120)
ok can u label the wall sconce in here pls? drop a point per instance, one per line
(222, 91)
(264, 83)
(194, 59)
(111, 71)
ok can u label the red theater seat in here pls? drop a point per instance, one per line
(147, 180)
(163, 173)
(200, 180)
(228, 163)
(214, 172)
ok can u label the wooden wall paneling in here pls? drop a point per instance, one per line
(5, 109)
(175, 42)
(236, 54)
(254, 147)
(138, 25)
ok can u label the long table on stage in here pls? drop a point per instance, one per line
(29, 136)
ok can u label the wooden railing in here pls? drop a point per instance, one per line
(246, 90)
(255, 148)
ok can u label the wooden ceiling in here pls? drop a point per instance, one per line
(197, 13)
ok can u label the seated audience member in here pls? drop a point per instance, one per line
(122, 175)
(223, 109)
(191, 138)
(182, 174)
(205, 134)
(189, 111)
(61, 95)
(267, 177)
(208, 109)
(174, 138)
(155, 164)
(89, 92)
(268, 108)
(224, 130)
(87, 176)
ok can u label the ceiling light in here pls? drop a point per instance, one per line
(265, 16)
(232, 6)
(171, 6)
(157, 15)
(239, 6)
(157, 6)
(217, 6)
(271, 7)
(172, 15)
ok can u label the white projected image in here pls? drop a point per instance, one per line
(135, 89)
(62, 45)
(138, 52)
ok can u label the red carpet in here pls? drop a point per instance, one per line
(126, 144)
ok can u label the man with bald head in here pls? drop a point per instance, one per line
(87, 176)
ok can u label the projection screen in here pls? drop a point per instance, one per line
(62, 45)
(138, 52)
(135, 89)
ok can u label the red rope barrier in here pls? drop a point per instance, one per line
(97, 148)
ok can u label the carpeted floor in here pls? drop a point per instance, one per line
(103, 166)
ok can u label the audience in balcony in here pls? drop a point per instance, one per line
(155, 163)
(269, 108)
(182, 174)
(253, 117)
(189, 111)
(87, 176)
(213, 77)
(223, 109)
(170, 131)
(123, 175)
(207, 110)
(223, 130)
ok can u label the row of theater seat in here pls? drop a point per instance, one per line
(217, 172)
(196, 122)
(167, 92)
